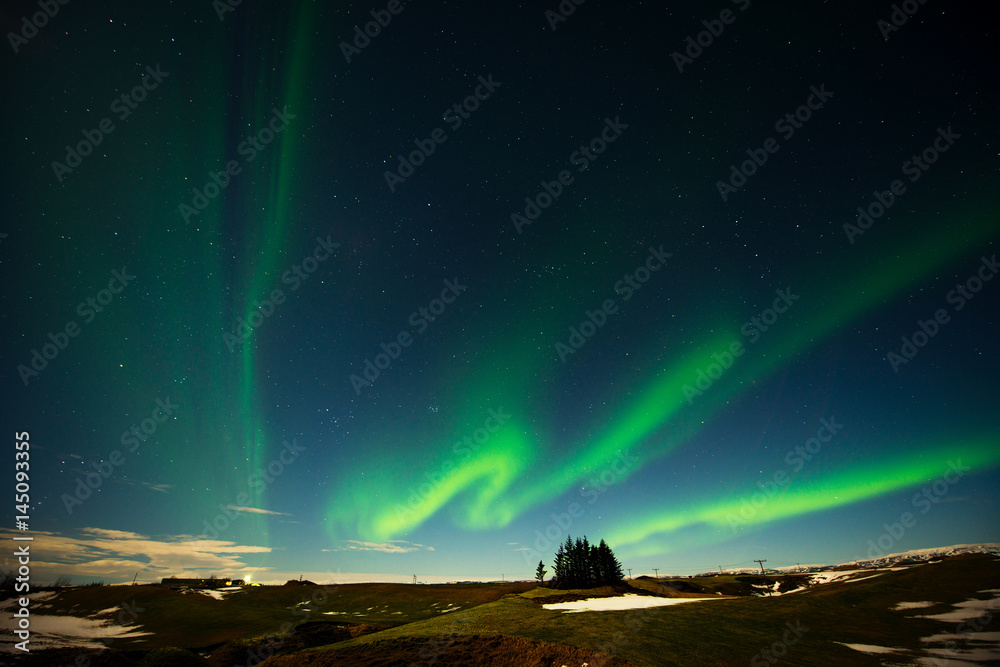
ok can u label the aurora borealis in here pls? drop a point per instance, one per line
(373, 291)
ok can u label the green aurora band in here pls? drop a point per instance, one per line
(228, 415)
(857, 484)
(496, 484)
(268, 255)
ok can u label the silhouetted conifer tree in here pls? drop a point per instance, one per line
(579, 564)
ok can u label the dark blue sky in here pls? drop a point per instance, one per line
(620, 287)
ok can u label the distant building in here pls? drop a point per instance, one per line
(299, 582)
(176, 582)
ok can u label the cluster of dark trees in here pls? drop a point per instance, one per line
(580, 564)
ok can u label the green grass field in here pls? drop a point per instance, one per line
(191, 620)
(501, 624)
(734, 631)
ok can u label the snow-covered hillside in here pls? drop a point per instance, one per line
(888, 560)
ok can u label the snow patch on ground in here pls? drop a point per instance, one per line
(620, 603)
(773, 589)
(827, 577)
(220, 594)
(925, 554)
(903, 606)
(34, 597)
(966, 611)
(943, 657)
(109, 610)
(868, 648)
(983, 647)
(63, 631)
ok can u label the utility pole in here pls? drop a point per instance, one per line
(762, 573)
(629, 572)
(720, 570)
(657, 571)
(799, 566)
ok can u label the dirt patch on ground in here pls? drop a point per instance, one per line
(305, 635)
(791, 583)
(671, 587)
(79, 656)
(455, 650)
(602, 592)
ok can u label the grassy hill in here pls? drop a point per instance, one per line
(723, 632)
(504, 624)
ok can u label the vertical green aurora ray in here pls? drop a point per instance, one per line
(266, 251)
(175, 340)
(170, 346)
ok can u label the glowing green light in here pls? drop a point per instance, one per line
(496, 487)
(804, 497)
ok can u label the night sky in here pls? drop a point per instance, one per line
(713, 282)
